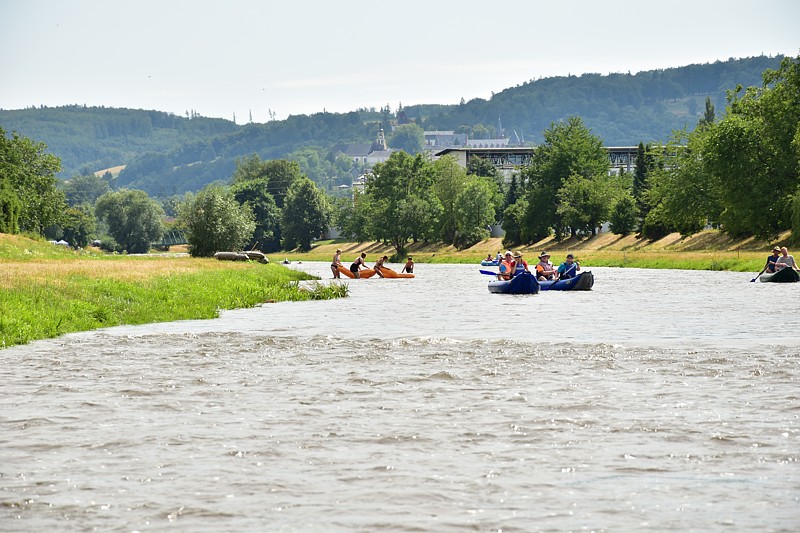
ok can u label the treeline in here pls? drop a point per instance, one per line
(740, 174)
(264, 205)
(168, 154)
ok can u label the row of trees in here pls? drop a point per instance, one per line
(741, 173)
(269, 205)
(413, 198)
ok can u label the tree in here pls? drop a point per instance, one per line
(686, 195)
(31, 173)
(78, 225)
(569, 149)
(450, 182)
(254, 193)
(623, 216)
(474, 211)
(586, 203)
(134, 219)
(709, 115)
(640, 185)
(10, 208)
(408, 137)
(214, 221)
(306, 215)
(279, 173)
(753, 154)
(84, 189)
(400, 199)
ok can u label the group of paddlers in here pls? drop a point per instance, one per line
(360, 264)
(512, 264)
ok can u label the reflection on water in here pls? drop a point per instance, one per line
(659, 400)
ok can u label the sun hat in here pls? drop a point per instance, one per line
(776, 249)
(508, 252)
(544, 254)
(517, 254)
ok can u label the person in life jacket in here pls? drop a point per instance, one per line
(544, 268)
(506, 267)
(520, 265)
(569, 268)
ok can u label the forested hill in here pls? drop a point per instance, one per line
(167, 154)
(622, 109)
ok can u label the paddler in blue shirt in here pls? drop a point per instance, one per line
(569, 268)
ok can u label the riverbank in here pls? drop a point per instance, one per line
(707, 250)
(47, 291)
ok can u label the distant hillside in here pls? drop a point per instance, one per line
(88, 139)
(622, 109)
(166, 154)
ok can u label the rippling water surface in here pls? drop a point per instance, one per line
(660, 401)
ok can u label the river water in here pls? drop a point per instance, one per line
(658, 401)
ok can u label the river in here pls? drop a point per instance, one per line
(662, 400)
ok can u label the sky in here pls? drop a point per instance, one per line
(266, 58)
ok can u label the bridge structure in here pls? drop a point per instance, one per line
(509, 159)
(170, 238)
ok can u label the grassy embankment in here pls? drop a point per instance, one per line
(47, 291)
(708, 250)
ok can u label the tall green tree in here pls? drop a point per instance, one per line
(753, 154)
(709, 115)
(213, 221)
(570, 149)
(254, 193)
(78, 225)
(10, 207)
(31, 173)
(450, 182)
(306, 215)
(686, 196)
(640, 184)
(474, 211)
(134, 219)
(401, 202)
(584, 203)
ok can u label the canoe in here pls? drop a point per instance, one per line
(524, 283)
(389, 273)
(486, 263)
(582, 282)
(787, 275)
(363, 275)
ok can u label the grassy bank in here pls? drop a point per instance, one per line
(47, 291)
(708, 250)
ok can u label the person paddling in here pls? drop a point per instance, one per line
(544, 268)
(520, 265)
(770, 266)
(506, 267)
(568, 269)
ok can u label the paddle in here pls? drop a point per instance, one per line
(488, 272)
(755, 278)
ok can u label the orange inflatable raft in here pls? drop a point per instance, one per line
(387, 273)
(363, 274)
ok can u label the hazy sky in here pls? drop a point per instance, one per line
(240, 56)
